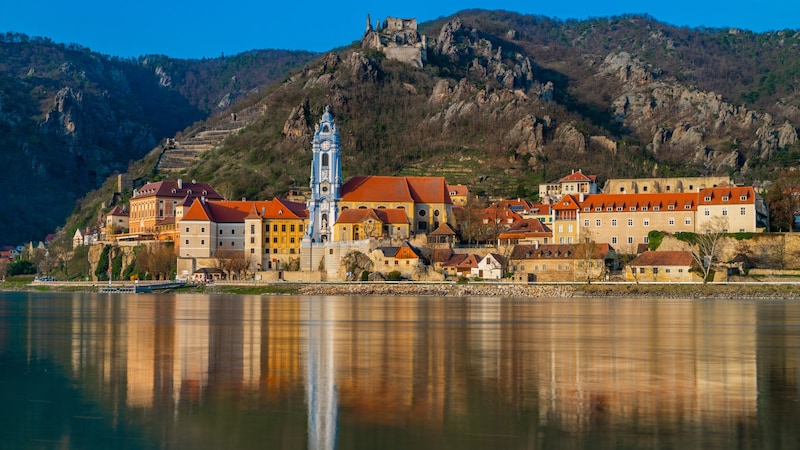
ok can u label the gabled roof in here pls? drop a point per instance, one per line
(396, 189)
(567, 202)
(177, 190)
(665, 258)
(441, 255)
(455, 259)
(578, 176)
(118, 211)
(392, 252)
(443, 230)
(496, 256)
(540, 209)
(556, 251)
(493, 214)
(458, 190)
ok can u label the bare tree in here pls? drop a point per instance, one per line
(706, 243)
(233, 262)
(586, 251)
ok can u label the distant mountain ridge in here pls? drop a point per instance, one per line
(505, 101)
(70, 117)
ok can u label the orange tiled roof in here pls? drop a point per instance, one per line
(237, 211)
(577, 176)
(665, 258)
(443, 230)
(117, 211)
(727, 195)
(679, 201)
(567, 202)
(396, 189)
(458, 189)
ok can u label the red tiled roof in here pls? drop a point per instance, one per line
(171, 189)
(458, 189)
(117, 211)
(396, 189)
(567, 202)
(734, 195)
(665, 258)
(237, 211)
(443, 230)
(577, 176)
(679, 201)
(556, 251)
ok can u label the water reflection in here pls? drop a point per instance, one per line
(334, 372)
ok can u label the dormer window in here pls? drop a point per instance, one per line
(633, 208)
(706, 198)
(724, 198)
(644, 208)
(598, 209)
(743, 198)
(280, 212)
(671, 207)
(610, 208)
(587, 209)
(619, 208)
(656, 208)
(687, 206)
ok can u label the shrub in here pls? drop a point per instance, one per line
(393, 276)
(654, 239)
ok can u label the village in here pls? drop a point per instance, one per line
(374, 228)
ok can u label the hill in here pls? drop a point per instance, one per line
(70, 117)
(505, 101)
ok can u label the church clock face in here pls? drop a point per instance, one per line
(325, 145)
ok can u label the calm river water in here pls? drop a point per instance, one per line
(92, 371)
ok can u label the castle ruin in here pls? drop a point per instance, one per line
(398, 39)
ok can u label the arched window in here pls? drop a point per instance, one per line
(325, 160)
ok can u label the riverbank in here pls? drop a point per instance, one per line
(774, 290)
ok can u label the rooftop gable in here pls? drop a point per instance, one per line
(665, 258)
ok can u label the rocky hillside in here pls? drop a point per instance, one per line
(70, 117)
(506, 101)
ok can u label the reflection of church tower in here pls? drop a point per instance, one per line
(326, 181)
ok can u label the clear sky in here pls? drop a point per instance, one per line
(202, 28)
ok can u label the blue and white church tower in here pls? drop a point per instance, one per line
(326, 182)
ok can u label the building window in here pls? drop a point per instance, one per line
(187, 242)
(646, 222)
(630, 222)
(656, 208)
(283, 227)
(630, 239)
(569, 228)
(252, 229)
(724, 211)
(672, 221)
(252, 240)
(724, 198)
(275, 227)
(598, 222)
(274, 250)
(646, 240)
(706, 212)
(613, 239)
(421, 213)
(742, 211)
(291, 228)
(291, 240)
(687, 221)
(644, 208)
(613, 222)
(275, 240)
(202, 242)
(220, 231)
(252, 250)
(706, 199)
(743, 198)
(559, 267)
(586, 223)
(233, 231)
(187, 229)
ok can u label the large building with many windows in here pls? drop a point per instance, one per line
(624, 220)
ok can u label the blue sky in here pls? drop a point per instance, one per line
(202, 28)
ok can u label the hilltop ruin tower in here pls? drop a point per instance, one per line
(398, 39)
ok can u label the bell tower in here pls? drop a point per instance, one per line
(326, 181)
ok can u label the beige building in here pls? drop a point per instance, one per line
(560, 262)
(664, 185)
(661, 267)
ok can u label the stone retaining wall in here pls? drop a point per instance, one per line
(448, 290)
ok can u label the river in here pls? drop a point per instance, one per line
(101, 371)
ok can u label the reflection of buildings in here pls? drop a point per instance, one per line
(573, 365)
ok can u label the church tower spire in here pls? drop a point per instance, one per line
(326, 180)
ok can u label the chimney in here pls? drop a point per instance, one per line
(536, 244)
(180, 183)
(580, 197)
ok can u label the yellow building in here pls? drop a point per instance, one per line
(357, 224)
(425, 200)
(661, 267)
(265, 233)
(153, 207)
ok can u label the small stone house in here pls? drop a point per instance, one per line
(561, 262)
(661, 267)
(405, 259)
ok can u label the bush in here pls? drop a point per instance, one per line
(654, 239)
(365, 275)
(393, 276)
(21, 267)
